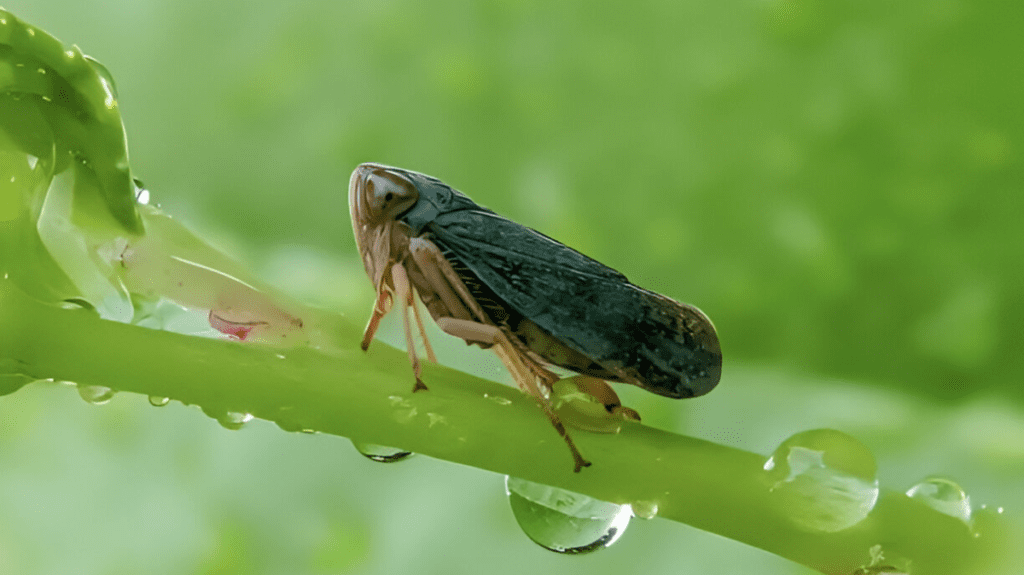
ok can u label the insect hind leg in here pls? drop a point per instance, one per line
(450, 288)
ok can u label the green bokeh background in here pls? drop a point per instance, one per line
(838, 185)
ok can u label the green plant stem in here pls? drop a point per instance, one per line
(367, 396)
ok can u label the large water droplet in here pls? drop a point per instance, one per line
(823, 480)
(157, 401)
(95, 394)
(943, 496)
(381, 453)
(563, 521)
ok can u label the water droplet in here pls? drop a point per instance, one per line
(563, 521)
(943, 496)
(95, 394)
(644, 509)
(381, 453)
(157, 401)
(233, 420)
(77, 303)
(823, 480)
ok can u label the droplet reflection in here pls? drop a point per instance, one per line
(563, 521)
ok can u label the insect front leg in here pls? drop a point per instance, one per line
(380, 309)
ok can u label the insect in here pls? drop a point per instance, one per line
(534, 301)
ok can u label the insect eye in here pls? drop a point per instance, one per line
(388, 194)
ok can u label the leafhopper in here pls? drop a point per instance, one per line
(534, 301)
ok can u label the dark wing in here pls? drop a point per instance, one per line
(664, 346)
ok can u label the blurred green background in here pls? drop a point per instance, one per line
(838, 185)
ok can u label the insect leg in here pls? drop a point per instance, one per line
(449, 287)
(380, 308)
(492, 335)
(439, 273)
(430, 262)
(602, 392)
(524, 376)
(403, 293)
(423, 332)
(469, 330)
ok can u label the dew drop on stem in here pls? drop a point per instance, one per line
(822, 480)
(563, 521)
(232, 420)
(944, 496)
(381, 453)
(157, 401)
(95, 394)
